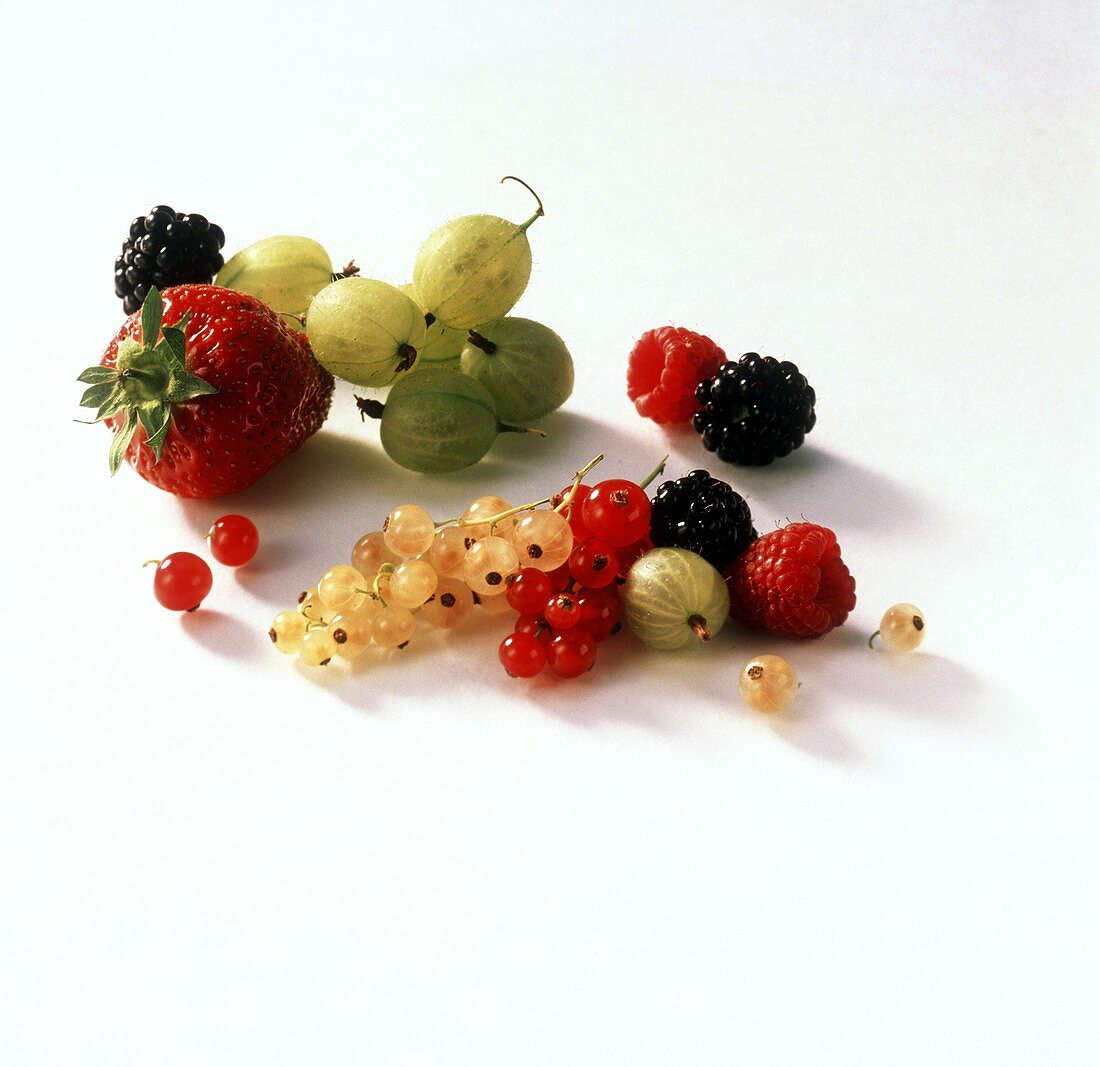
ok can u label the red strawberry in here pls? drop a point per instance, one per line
(792, 581)
(206, 390)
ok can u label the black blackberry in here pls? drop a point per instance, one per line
(166, 248)
(704, 515)
(754, 410)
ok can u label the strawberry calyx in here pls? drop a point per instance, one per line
(149, 378)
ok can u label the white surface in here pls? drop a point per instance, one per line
(213, 857)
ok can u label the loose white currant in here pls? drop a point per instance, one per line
(768, 683)
(901, 629)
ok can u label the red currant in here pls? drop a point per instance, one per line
(536, 626)
(559, 577)
(572, 653)
(594, 564)
(233, 540)
(182, 581)
(562, 611)
(528, 590)
(600, 611)
(522, 655)
(618, 511)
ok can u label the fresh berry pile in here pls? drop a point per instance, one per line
(166, 248)
(207, 387)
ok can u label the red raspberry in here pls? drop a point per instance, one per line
(665, 367)
(792, 581)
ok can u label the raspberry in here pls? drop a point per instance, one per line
(792, 581)
(665, 367)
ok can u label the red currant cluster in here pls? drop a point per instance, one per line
(565, 613)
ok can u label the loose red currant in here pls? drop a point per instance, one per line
(594, 564)
(573, 513)
(572, 653)
(233, 540)
(600, 610)
(618, 511)
(182, 581)
(522, 655)
(562, 611)
(528, 591)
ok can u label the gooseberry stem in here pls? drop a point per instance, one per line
(348, 272)
(871, 639)
(538, 200)
(369, 409)
(699, 627)
(505, 428)
(486, 346)
(656, 472)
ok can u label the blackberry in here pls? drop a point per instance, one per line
(166, 248)
(704, 515)
(754, 410)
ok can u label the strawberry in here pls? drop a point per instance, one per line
(206, 389)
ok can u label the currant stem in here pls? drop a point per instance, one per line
(386, 568)
(567, 501)
(158, 562)
(655, 473)
(492, 520)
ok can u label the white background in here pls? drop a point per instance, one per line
(211, 856)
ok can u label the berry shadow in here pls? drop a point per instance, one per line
(572, 439)
(826, 488)
(223, 634)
